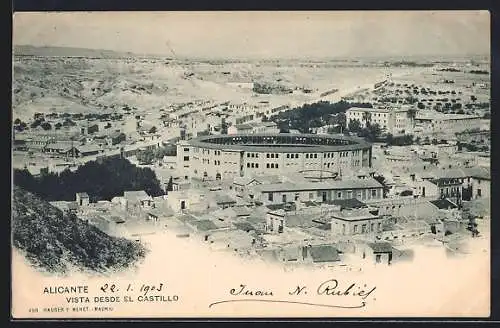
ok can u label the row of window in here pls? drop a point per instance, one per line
(364, 228)
(253, 155)
(360, 195)
(253, 165)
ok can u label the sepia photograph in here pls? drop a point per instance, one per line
(258, 164)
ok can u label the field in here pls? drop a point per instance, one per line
(85, 85)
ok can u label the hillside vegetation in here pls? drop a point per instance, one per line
(55, 242)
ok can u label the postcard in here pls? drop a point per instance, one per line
(251, 164)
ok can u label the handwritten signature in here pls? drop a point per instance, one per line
(330, 287)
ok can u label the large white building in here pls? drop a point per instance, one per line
(229, 156)
(394, 120)
(436, 122)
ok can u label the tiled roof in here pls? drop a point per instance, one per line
(324, 253)
(381, 247)
(137, 195)
(444, 204)
(204, 225)
(348, 203)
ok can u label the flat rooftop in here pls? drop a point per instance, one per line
(280, 142)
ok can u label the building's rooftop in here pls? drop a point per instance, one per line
(136, 195)
(350, 203)
(204, 225)
(381, 247)
(434, 115)
(354, 215)
(324, 253)
(280, 142)
(444, 204)
(326, 185)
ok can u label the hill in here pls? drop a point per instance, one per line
(55, 242)
(27, 50)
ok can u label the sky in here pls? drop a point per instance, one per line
(320, 34)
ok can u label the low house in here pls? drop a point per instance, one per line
(88, 150)
(138, 199)
(275, 221)
(378, 252)
(224, 201)
(66, 207)
(82, 199)
(321, 254)
(61, 148)
(480, 181)
(353, 222)
(449, 188)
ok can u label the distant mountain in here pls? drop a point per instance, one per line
(56, 242)
(27, 50)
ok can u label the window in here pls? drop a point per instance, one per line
(272, 165)
(253, 165)
(373, 227)
(296, 155)
(287, 155)
(283, 198)
(276, 165)
(267, 165)
(267, 155)
(270, 196)
(363, 228)
(315, 155)
(186, 158)
(277, 155)
(355, 228)
(311, 195)
(256, 165)
(379, 226)
(374, 193)
(186, 149)
(349, 194)
(339, 195)
(248, 154)
(307, 155)
(297, 195)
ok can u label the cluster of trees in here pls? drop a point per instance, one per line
(479, 72)
(404, 140)
(381, 179)
(472, 147)
(101, 180)
(315, 115)
(20, 125)
(268, 88)
(370, 132)
(147, 156)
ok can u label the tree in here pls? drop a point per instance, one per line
(473, 98)
(420, 105)
(354, 126)
(46, 126)
(146, 157)
(170, 184)
(58, 125)
(17, 121)
(152, 130)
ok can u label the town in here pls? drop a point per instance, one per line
(297, 175)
